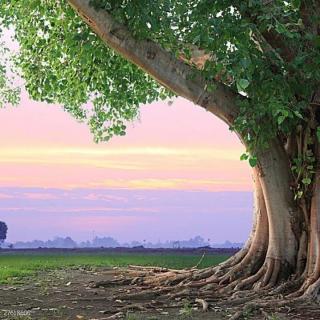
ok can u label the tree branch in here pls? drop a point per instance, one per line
(276, 41)
(163, 66)
(270, 41)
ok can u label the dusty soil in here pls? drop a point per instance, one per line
(67, 294)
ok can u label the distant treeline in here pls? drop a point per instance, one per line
(109, 242)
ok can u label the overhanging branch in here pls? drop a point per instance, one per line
(163, 66)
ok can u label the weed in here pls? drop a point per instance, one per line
(273, 317)
(186, 310)
(130, 316)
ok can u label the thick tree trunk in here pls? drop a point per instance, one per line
(283, 250)
(283, 215)
(311, 275)
(272, 250)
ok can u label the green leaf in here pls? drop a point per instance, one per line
(242, 84)
(318, 133)
(281, 119)
(306, 181)
(298, 114)
(245, 62)
(282, 29)
(253, 161)
(296, 3)
(197, 39)
(244, 156)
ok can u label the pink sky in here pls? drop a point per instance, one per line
(170, 147)
(160, 181)
(176, 174)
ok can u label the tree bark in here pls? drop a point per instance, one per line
(283, 213)
(284, 246)
(311, 276)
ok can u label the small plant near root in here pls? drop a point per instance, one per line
(273, 317)
(186, 309)
(130, 316)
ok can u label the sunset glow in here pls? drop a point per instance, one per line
(163, 150)
(46, 156)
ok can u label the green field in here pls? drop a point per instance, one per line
(13, 267)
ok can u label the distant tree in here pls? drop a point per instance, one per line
(106, 242)
(176, 244)
(3, 232)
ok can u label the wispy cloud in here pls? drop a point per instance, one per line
(134, 151)
(39, 196)
(198, 154)
(105, 197)
(135, 159)
(145, 214)
(171, 184)
(5, 196)
(45, 210)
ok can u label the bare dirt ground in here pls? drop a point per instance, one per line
(67, 294)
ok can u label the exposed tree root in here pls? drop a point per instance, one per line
(161, 288)
(313, 290)
(203, 303)
(180, 283)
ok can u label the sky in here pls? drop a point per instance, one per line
(175, 174)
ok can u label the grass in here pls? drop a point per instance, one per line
(13, 267)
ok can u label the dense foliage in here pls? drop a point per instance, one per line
(62, 61)
(278, 88)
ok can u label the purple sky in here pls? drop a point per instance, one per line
(176, 174)
(125, 214)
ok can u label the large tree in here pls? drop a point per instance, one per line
(254, 64)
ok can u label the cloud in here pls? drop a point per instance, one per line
(45, 210)
(104, 197)
(171, 184)
(5, 196)
(127, 159)
(150, 213)
(33, 153)
(39, 196)
(105, 209)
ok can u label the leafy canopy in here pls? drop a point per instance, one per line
(62, 61)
